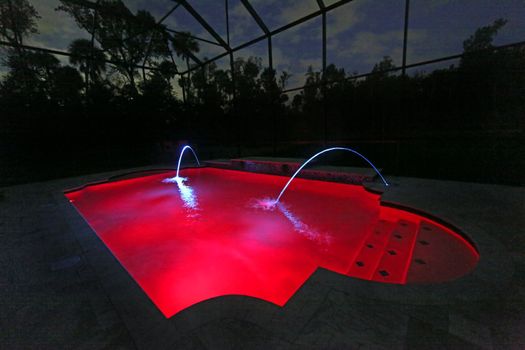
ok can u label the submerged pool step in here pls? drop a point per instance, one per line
(386, 253)
(365, 264)
(397, 255)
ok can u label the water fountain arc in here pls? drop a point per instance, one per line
(325, 151)
(180, 158)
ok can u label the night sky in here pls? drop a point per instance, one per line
(359, 34)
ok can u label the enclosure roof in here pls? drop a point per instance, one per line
(293, 35)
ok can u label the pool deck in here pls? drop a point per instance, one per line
(60, 287)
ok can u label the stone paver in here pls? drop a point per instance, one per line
(61, 288)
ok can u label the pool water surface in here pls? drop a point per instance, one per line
(209, 236)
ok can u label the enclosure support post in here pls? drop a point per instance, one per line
(323, 17)
(230, 52)
(270, 53)
(232, 72)
(89, 72)
(322, 9)
(227, 13)
(325, 114)
(404, 63)
(405, 37)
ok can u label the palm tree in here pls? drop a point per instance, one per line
(185, 46)
(89, 59)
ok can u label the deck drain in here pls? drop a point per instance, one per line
(420, 261)
(423, 242)
(392, 252)
(360, 263)
(384, 273)
(370, 245)
(398, 236)
(403, 224)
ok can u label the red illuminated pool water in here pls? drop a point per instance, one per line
(208, 238)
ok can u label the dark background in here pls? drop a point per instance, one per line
(464, 121)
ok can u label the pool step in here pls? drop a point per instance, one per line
(386, 254)
(365, 264)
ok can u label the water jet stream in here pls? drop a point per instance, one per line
(180, 158)
(318, 154)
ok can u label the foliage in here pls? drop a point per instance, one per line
(90, 60)
(185, 46)
(129, 39)
(483, 37)
(17, 20)
(116, 105)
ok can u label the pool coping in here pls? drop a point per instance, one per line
(490, 250)
(150, 329)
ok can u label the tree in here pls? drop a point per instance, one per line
(65, 85)
(382, 69)
(271, 90)
(167, 70)
(158, 85)
(483, 37)
(30, 74)
(477, 55)
(89, 59)
(129, 39)
(17, 20)
(206, 88)
(185, 46)
(311, 93)
(493, 80)
(283, 79)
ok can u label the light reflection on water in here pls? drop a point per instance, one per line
(187, 194)
(269, 204)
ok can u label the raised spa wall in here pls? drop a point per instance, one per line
(288, 166)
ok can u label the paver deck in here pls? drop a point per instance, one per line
(60, 287)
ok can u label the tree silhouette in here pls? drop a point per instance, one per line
(382, 69)
(184, 46)
(30, 74)
(128, 39)
(483, 37)
(89, 59)
(17, 20)
(477, 55)
(65, 85)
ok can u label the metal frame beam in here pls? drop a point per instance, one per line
(85, 3)
(412, 65)
(279, 30)
(263, 27)
(193, 37)
(203, 23)
(255, 16)
(65, 53)
(159, 22)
